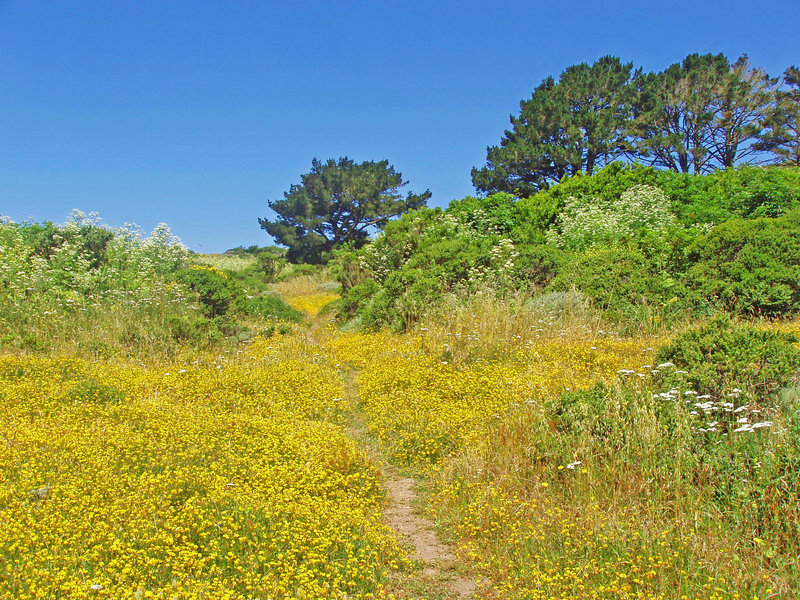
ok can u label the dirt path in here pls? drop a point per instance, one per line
(439, 570)
(439, 574)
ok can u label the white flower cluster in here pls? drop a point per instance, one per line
(583, 224)
(717, 416)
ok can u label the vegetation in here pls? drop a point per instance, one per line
(338, 202)
(702, 114)
(596, 384)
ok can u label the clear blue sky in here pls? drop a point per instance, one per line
(196, 113)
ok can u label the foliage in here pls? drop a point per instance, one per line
(750, 266)
(723, 359)
(620, 280)
(56, 279)
(703, 113)
(338, 202)
(268, 307)
(582, 225)
(202, 477)
(698, 115)
(782, 134)
(215, 291)
(569, 126)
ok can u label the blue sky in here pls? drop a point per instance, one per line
(196, 113)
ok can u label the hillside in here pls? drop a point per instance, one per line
(591, 393)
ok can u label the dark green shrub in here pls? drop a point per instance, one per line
(537, 265)
(215, 290)
(537, 213)
(194, 329)
(270, 264)
(406, 296)
(496, 213)
(619, 280)
(357, 298)
(750, 267)
(747, 192)
(722, 356)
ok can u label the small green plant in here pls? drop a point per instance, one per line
(268, 307)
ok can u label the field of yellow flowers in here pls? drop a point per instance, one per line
(230, 473)
(213, 477)
(552, 487)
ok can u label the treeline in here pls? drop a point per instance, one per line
(698, 115)
(642, 245)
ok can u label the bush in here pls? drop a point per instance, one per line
(194, 329)
(539, 212)
(747, 192)
(357, 298)
(750, 267)
(215, 291)
(268, 307)
(536, 266)
(619, 280)
(721, 357)
(584, 223)
(406, 296)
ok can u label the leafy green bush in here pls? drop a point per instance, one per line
(194, 329)
(215, 290)
(747, 192)
(619, 280)
(750, 267)
(721, 357)
(536, 266)
(356, 299)
(404, 298)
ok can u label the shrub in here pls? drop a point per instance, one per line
(215, 291)
(747, 192)
(406, 296)
(268, 307)
(537, 265)
(194, 329)
(721, 356)
(357, 298)
(585, 223)
(750, 267)
(619, 280)
(538, 213)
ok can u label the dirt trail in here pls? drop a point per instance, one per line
(439, 575)
(439, 566)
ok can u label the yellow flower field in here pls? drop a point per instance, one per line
(231, 474)
(216, 477)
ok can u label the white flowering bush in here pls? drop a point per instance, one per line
(50, 274)
(585, 224)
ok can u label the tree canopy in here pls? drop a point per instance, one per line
(782, 135)
(339, 201)
(698, 115)
(569, 126)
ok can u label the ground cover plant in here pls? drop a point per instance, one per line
(214, 476)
